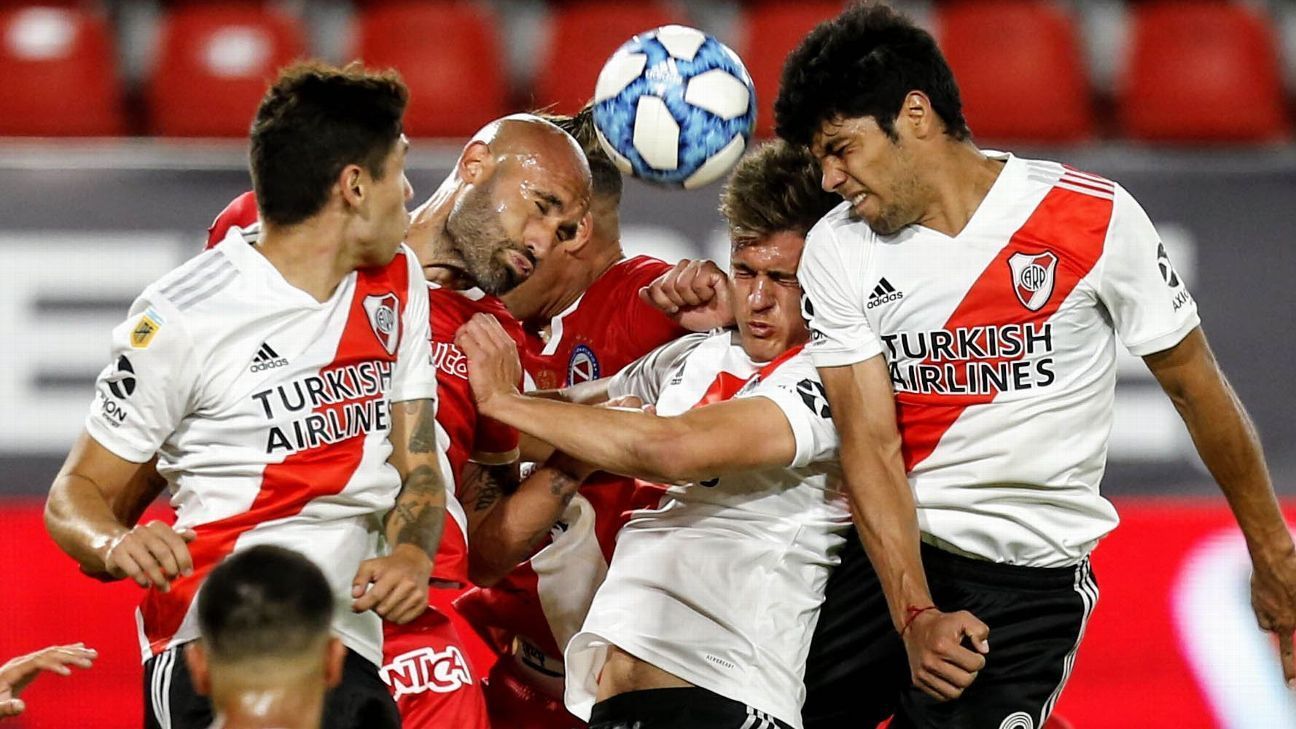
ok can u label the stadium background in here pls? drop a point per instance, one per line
(121, 123)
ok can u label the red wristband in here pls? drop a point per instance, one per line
(912, 613)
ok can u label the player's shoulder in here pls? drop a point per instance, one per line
(636, 270)
(840, 229)
(1050, 174)
(200, 280)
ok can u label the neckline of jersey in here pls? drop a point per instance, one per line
(252, 262)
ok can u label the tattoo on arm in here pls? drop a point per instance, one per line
(423, 439)
(416, 519)
(488, 484)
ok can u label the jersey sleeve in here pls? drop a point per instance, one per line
(795, 388)
(644, 377)
(149, 385)
(832, 302)
(414, 377)
(645, 326)
(1148, 301)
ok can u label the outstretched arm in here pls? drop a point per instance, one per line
(1228, 445)
(396, 586)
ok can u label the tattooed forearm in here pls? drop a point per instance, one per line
(484, 485)
(423, 439)
(419, 513)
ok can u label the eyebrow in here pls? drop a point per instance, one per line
(551, 198)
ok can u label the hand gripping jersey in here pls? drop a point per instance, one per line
(270, 414)
(1001, 347)
(604, 330)
(721, 585)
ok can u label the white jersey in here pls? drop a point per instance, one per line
(721, 585)
(270, 413)
(1001, 346)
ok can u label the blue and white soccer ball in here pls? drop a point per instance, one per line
(674, 106)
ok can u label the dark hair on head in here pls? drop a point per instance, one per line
(606, 177)
(774, 189)
(264, 602)
(863, 63)
(315, 120)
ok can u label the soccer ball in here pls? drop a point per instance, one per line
(674, 106)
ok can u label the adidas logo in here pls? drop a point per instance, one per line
(883, 293)
(267, 359)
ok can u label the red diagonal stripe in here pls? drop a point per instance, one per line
(286, 487)
(1071, 225)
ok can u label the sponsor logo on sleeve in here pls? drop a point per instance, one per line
(1171, 278)
(1032, 276)
(807, 313)
(813, 395)
(141, 335)
(122, 381)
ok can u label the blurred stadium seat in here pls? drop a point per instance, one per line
(59, 74)
(449, 56)
(583, 34)
(1019, 67)
(1201, 71)
(213, 64)
(771, 29)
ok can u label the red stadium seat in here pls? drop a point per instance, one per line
(1201, 71)
(582, 36)
(1019, 67)
(771, 30)
(213, 65)
(450, 58)
(59, 74)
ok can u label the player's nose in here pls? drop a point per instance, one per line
(833, 175)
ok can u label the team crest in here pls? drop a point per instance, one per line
(382, 311)
(1032, 276)
(583, 365)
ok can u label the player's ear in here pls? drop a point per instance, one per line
(334, 658)
(584, 232)
(196, 660)
(916, 116)
(474, 162)
(353, 184)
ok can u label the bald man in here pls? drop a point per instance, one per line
(520, 187)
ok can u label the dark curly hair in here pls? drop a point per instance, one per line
(863, 63)
(315, 120)
(774, 189)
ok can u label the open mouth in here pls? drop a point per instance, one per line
(520, 263)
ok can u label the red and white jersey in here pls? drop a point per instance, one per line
(544, 601)
(241, 213)
(721, 584)
(270, 414)
(1001, 345)
(472, 437)
(602, 331)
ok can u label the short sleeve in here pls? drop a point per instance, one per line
(1148, 300)
(414, 377)
(839, 332)
(796, 389)
(148, 387)
(644, 377)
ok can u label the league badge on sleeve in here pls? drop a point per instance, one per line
(383, 317)
(147, 326)
(1032, 276)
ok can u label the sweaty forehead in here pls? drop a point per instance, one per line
(778, 252)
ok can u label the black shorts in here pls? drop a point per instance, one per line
(360, 701)
(678, 708)
(857, 673)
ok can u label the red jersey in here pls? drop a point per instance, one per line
(472, 437)
(240, 213)
(603, 331)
